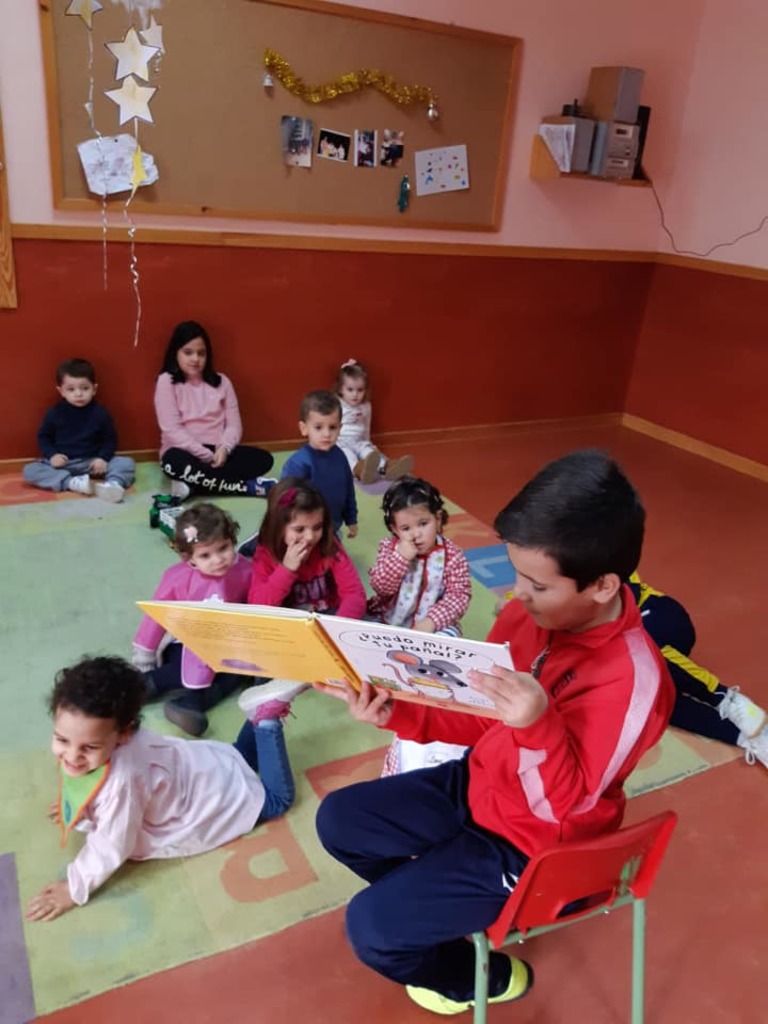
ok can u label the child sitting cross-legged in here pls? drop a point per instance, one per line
(421, 580)
(141, 796)
(210, 569)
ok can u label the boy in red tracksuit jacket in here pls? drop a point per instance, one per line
(590, 695)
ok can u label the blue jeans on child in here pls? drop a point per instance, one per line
(435, 877)
(263, 748)
(120, 469)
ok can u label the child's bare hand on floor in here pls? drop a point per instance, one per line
(50, 903)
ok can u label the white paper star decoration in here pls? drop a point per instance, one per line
(132, 56)
(153, 36)
(133, 100)
(84, 9)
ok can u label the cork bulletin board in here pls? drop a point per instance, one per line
(216, 137)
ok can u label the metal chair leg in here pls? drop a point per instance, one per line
(638, 961)
(481, 977)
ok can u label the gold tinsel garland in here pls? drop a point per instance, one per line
(353, 81)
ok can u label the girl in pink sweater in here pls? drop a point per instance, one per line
(200, 426)
(210, 570)
(299, 562)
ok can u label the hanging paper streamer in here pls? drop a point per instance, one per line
(352, 81)
(85, 9)
(133, 54)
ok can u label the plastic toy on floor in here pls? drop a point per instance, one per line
(164, 512)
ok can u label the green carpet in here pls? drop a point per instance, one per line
(73, 569)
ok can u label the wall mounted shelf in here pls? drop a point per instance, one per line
(544, 168)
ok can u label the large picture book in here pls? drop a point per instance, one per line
(259, 640)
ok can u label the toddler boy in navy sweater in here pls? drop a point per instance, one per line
(322, 462)
(78, 441)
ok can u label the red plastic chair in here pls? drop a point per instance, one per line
(597, 875)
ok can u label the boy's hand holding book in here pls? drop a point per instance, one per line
(365, 705)
(517, 696)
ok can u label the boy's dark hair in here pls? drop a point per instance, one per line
(323, 402)
(582, 511)
(183, 333)
(100, 688)
(200, 524)
(351, 370)
(291, 495)
(409, 492)
(75, 368)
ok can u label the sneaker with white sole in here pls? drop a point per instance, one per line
(179, 489)
(755, 747)
(261, 486)
(109, 490)
(80, 484)
(520, 982)
(748, 718)
(270, 701)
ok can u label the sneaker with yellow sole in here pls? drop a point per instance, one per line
(520, 982)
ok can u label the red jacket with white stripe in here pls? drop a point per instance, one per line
(561, 778)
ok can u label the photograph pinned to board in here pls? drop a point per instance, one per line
(366, 144)
(296, 134)
(392, 147)
(108, 164)
(333, 145)
(441, 170)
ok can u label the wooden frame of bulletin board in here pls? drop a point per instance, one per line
(7, 273)
(215, 135)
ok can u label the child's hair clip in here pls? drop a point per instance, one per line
(347, 363)
(190, 534)
(287, 499)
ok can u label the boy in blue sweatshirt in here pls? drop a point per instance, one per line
(78, 441)
(322, 462)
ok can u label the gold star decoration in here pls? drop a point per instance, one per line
(84, 9)
(131, 55)
(153, 36)
(138, 174)
(133, 100)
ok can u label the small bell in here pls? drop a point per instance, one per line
(268, 81)
(432, 112)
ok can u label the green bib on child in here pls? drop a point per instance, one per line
(75, 793)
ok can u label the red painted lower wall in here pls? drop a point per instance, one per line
(702, 359)
(449, 340)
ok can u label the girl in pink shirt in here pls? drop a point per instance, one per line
(200, 426)
(299, 562)
(210, 569)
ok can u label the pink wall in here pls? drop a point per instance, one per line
(561, 41)
(715, 188)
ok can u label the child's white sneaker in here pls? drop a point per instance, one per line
(109, 490)
(180, 490)
(271, 701)
(755, 747)
(80, 484)
(748, 718)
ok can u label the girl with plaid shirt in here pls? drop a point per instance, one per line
(421, 581)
